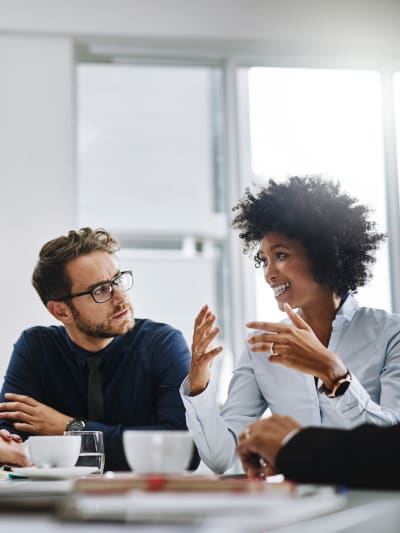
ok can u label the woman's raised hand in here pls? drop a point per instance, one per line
(296, 346)
(202, 354)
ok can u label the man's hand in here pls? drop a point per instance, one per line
(12, 450)
(31, 416)
(260, 443)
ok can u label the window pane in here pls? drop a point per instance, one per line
(396, 89)
(327, 122)
(149, 169)
(147, 146)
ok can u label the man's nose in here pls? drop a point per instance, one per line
(117, 293)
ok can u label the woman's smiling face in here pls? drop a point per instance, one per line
(287, 270)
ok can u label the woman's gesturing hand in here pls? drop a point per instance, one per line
(296, 346)
(202, 356)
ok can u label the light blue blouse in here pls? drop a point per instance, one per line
(368, 342)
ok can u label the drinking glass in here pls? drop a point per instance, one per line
(92, 449)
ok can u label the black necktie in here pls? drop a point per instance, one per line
(95, 389)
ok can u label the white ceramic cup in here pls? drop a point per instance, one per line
(157, 452)
(48, 451)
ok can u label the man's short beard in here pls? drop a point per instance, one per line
(103, 330)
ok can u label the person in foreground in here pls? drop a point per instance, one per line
(331, 363)
(11, 450)
(364, 457)
(142, 362)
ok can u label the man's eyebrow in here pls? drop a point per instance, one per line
(94, 285)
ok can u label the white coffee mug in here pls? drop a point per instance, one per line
(48, 451)
(158, 451)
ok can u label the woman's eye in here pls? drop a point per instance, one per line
(281, 256)
(263, 261)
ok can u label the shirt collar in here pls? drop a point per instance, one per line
(347, 310)
(82, 355)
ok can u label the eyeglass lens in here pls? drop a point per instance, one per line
(104, 292)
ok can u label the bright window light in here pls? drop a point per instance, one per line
(396, 90)
(324, 122)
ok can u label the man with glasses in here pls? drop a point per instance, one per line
(101, 369)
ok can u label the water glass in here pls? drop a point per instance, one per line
(92, 449)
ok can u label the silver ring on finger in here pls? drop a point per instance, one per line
(273, 349)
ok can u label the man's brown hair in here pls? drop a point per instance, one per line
(49, 277)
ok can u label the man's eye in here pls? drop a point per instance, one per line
(102, 289)
(120, 280)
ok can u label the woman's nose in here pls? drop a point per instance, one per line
(270, 273)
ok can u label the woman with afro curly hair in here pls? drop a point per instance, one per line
(331, 363)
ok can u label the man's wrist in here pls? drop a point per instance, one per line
(76, 424)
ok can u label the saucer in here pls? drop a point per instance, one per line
(54, 473)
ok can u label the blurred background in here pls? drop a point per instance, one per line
(150, 117)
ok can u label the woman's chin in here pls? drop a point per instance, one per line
(280, 304)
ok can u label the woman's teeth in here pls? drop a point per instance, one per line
(279, 289)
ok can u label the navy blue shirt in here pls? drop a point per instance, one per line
(142, 371)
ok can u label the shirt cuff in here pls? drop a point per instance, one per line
(289, 436)
(185, 387)
(186, 391)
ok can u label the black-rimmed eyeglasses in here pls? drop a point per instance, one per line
(104, 291)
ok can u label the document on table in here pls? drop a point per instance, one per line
(28, 494)
(224, 511)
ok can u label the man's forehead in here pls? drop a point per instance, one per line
(92, 267)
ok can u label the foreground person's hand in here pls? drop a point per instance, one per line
(260, 443)
(12, 450)
(254, 466)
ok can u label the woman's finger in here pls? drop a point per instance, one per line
(200, 317)
(295, 318)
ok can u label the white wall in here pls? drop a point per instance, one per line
(37, 199)
(374, 22)
(37, 143)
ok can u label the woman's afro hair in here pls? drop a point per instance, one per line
(333, 227)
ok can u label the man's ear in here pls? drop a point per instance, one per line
(60, 310)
